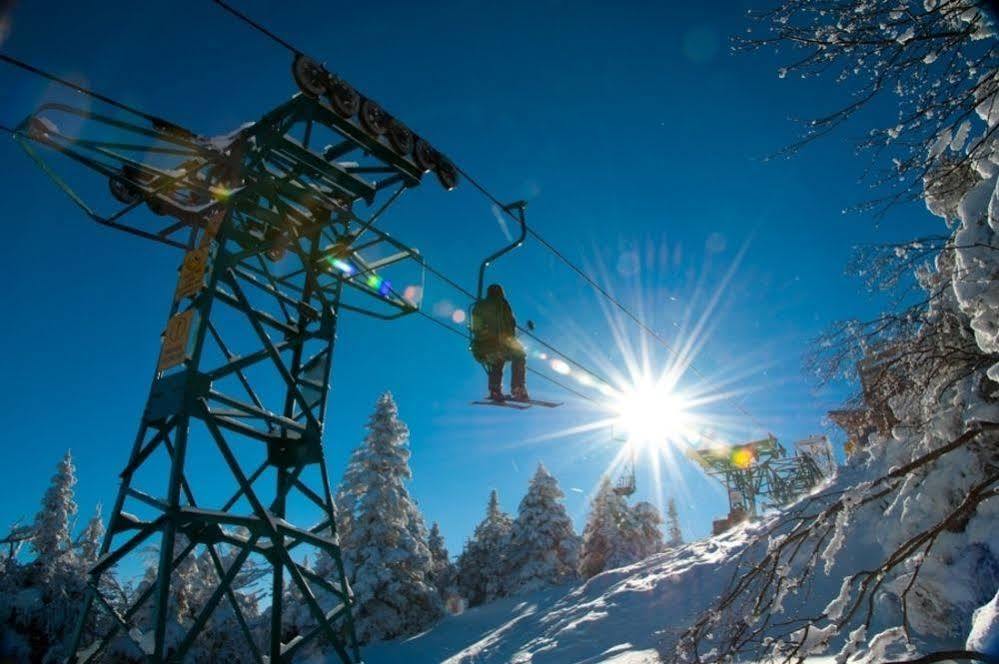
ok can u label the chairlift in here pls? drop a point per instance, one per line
(518, 208)
(626, 484)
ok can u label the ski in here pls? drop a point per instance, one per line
(517, 405)
(543, 404)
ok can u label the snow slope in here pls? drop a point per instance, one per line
(621, 616)
(636, 614)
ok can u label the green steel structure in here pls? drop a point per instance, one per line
(274, 251)
(758, 474)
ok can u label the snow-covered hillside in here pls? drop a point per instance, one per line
(623, 615)
(637, 614)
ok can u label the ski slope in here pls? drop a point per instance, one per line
(623, 616)
(636, 614)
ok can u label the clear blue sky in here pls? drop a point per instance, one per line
(634, 133)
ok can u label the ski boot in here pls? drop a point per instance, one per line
(519, 394)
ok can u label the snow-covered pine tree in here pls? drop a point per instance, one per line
(543, 549)
(191, 586)
(601, 535)
(443, 574)
(52, 523)
(39, 600)
(89, 541)
(674, 536)
(348, 492)
(616, 534)
(482, 564)
(390, 566)
(648, 535)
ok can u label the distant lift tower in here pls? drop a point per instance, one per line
(273, 252)
(760, 474)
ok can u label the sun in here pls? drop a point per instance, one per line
(651, 414)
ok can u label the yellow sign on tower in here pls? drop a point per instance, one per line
(175, 337)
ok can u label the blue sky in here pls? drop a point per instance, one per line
(633, 132)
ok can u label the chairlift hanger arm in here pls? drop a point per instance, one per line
(519, 206)
(157, 122)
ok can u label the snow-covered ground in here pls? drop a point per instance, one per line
(622, 616)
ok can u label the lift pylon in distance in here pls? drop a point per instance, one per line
(274, 251)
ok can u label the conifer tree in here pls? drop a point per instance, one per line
(89, 541)
(616, 534)
(443, 572)
(674, 537)
(543, 548)
(347, 493)
(601, 535)
(482, 564)
(647, 534)
(386, 548)
(52, 523)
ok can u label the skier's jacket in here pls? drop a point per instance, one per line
(494, 328)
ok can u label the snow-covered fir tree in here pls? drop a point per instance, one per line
(616, 534)
(52, 523)
(351, 487)
(482, 565)
(40, 599)
(674, 536)
(647, 522)
(444, 574)
(385, 548)
(89, 541)
(192, 583)
(602, 534)
(543, 549)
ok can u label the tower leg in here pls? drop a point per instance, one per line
(214, 392)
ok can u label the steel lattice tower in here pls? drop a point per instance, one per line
(273, 253)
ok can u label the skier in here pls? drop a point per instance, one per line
(494, 342)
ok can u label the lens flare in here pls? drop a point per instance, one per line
(646, 402)
(651, 413)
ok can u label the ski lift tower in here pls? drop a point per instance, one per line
(756, 474)
(274, 250)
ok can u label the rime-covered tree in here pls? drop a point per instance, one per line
(603, 546)
(918, 497)
(674, 536)
(40, 599)
(647, 532)
(52, 523)
(543, 549)
(935, 61)
(348, 492)
(617, 534)
(443, 573)
(89, 541)
(386, 552)
(482, 564)
(192, 583)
